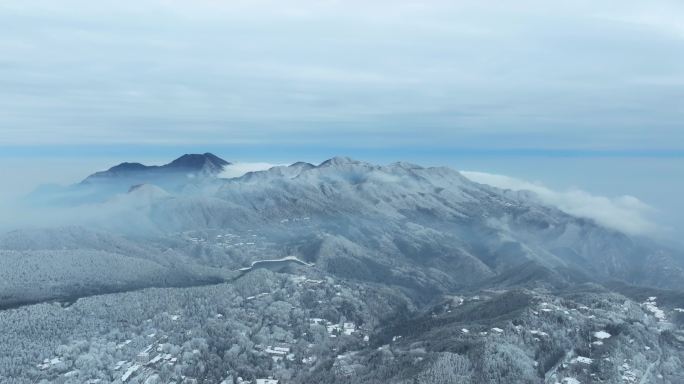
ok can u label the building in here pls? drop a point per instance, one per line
(266, 381)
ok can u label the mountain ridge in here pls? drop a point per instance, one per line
(394, 219)
(403, 273)
(456, 225)
(206, 163)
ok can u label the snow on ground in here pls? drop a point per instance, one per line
(47, 363)
(129, 372)
(125, 343)
(601, 335)
(584, 360)
(286, 258)
(266, 381)
(652, 307)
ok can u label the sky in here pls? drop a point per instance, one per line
(573, 95)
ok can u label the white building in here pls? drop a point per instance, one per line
(266, 381)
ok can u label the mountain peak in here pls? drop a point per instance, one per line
(206, 164)
(197, 161)
(405, 165)
(128, 167)
(301, 165)
(340, 160)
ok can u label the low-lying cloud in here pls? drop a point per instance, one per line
(624, 213)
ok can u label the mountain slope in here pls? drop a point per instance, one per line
(197, 164)
(179, 175)
(430, 223)
(404, 274)
(423, 230)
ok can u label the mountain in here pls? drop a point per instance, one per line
(423, 227)
(371, 273)
(425, 230)
(183, 173)
(197, 165)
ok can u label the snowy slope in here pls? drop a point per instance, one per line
(423, 229)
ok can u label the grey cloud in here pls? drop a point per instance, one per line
(124, 72)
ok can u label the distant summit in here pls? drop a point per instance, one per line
(206, 164)
(127, 167)
(339, 161)
(198, 162)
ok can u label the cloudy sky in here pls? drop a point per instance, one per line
(592, 75)
(569, 92)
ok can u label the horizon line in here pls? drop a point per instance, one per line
(146, 150)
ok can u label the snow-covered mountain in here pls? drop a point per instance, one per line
(358, 273)
(424, 229)
(183, 173)
(197, 165)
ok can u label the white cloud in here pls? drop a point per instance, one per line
(239, 169)
(624, 213)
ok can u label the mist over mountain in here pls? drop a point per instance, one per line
(505, 208)
(403, 206)
(192, 165)
(180, 173)
(349, 266)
